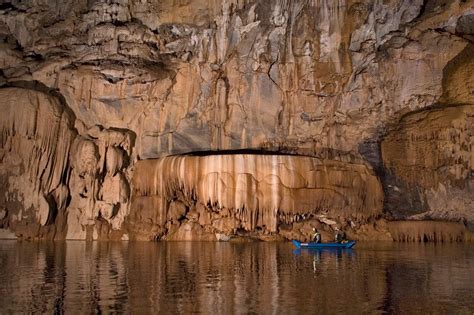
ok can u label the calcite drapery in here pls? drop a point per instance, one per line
(35, 140)
(54, 183)
(259, 190)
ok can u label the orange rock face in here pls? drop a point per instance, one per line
(250, 191)
(356, 93)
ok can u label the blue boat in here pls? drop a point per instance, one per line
(348, 244)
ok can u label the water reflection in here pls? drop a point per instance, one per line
(194, 277)
(338, 257)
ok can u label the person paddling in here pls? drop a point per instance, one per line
(339, 236)
(316, 236)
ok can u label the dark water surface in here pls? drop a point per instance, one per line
(231, 278)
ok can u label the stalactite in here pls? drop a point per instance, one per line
(260, 187)
(429, 231)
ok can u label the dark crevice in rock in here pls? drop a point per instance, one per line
(53, 210)
(9, 6)
(239, 151)
(323, 153)
(34, 57)
(432, 7)
(422, 10)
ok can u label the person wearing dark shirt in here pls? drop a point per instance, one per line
(316, 236)
(339, 236)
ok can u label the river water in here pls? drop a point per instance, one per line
(234, 278)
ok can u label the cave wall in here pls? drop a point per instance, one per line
(36, 138)
(248, 192)
(54, 182)
(384, 84)
(430, 164)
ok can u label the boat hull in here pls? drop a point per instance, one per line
(348, 244)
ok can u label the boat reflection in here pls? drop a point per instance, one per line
(323, 258)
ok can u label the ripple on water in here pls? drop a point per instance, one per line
(234, 278)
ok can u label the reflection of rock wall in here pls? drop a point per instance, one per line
(225, 278)
(430, 158)
(249, 192)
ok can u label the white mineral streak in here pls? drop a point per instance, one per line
(330, 20)
(262, 189)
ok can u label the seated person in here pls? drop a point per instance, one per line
(339, 236)
(316, 236)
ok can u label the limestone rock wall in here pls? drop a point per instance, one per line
(300, 75)
(336, 80)
(429, 156)
(226, 193)
(100, 176)
(430, 160)
(36, 137)
(56, 183)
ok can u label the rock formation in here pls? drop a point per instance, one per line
(430, 162)
(225, 193)
(376, 95)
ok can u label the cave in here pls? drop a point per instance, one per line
(185, 120)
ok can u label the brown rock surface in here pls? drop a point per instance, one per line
(36, 137)
(430, 163)
(251, 191)
(429, 231)
(88, 88)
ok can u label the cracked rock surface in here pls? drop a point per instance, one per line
(98, 97)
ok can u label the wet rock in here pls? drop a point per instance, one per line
(429, 231)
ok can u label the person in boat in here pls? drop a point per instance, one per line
(339, 236)
(316, 236)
